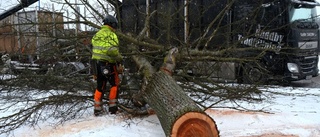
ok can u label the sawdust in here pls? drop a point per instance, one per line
(231, 112)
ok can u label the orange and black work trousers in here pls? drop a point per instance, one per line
(106, 72)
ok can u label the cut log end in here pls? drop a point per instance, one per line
(194, 124)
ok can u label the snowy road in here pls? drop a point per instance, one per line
(312, 83)
(292, 111)
(288, 112)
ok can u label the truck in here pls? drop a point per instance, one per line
(279, 38)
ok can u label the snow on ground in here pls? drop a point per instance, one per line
(292, 112)
(296, 114)
(288, 112)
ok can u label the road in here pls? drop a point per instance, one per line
(312, 83)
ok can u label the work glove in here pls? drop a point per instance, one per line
(94, 77)
(120, 68)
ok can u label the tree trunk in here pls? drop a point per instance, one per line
(179, 115)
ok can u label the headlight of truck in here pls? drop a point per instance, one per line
(293, 67)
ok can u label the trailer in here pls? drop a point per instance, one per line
(36, 41)
(283, 34)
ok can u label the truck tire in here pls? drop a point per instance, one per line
(255, 73)
(58, 68)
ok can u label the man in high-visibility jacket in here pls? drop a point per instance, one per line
(106, 56)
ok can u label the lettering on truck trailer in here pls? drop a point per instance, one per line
(272, 36)
(263, 39)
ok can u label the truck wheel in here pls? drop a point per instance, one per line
(58, 68)
(254, 73)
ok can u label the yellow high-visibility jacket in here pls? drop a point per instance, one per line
(105, 45)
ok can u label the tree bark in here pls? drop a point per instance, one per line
(179, 115)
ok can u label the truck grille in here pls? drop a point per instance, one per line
(308, 64)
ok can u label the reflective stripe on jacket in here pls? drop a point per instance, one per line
(105, 45)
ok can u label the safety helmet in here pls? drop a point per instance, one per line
(111, 21)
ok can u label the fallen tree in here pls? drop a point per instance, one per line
(179, 115)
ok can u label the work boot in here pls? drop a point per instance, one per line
(99, 110)
(113, 110)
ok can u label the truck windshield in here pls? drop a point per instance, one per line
(302, 13)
